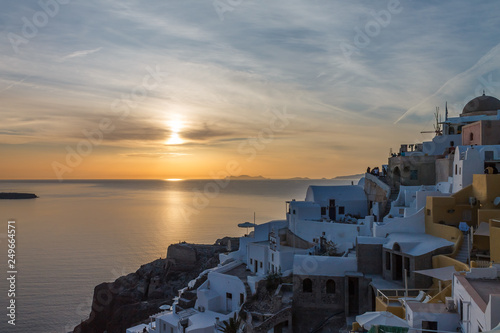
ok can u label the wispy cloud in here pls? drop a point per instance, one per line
(79, 54)
(225, 76)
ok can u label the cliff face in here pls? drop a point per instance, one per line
(134, 297)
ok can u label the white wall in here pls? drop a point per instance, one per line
(463, 169)
(165, 323)
(284, 259)
(339, 233)
(414, 223)
(472, 313)
(258, 252)
(493, 311)
(446, 321)
(261, 231)
(439, 143)
(221, 284)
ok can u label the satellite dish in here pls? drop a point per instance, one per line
(165, 307)
(496, 201)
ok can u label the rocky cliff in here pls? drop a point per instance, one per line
(134, 297)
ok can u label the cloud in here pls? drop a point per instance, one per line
(79, 54)
(205, 133)
(154, 155)
(487, 62)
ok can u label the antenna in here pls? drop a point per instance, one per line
(437, 125)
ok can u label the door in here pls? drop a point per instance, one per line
(397, 273)
(229, 302)
(353, 295)
(332, 212)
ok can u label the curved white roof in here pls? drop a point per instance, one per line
(416, 244)
(324, 193)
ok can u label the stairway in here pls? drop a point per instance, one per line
(463, 253)
(247, 290)
(394, 194)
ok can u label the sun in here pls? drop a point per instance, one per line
(175, 125)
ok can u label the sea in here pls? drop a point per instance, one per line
(80, 233)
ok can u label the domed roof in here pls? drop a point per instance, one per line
(481, 105)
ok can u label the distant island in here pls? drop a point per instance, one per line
(9, 196)
(350, 176)
(244, 177)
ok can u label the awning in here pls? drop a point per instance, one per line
(443, 273)
(483, 230)
(369, 319)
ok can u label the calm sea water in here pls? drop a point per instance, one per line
(78, 234)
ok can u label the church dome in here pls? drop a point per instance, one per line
(486, 105)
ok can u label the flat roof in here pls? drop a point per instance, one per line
(379, 283)
(323, 265)
(480, 289)
(205, 319)
(485, 287)
(371, 240)
(239, 271)
(427, 307)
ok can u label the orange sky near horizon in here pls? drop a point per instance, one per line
(158, 90)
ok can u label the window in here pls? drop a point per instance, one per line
(307, 286)
(456, 169)
(171, 330)
(242, 299)
(229, 296)
(428, 212)
(471, 136)
(432, 326)
(251, 261)
(323, 210)
(294, 211)
(164, 326)
(388, 261)
(407, 266)
(488, 155)
(261, 264)
(272, 256)
(330, 287)
(461, 310)
(341, 210)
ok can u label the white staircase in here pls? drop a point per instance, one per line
(463, 253)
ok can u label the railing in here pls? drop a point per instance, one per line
(388, 295)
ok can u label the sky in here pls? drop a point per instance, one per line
(201, 89)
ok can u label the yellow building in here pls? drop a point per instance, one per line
(478, 206)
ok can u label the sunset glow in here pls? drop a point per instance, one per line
(175, 127)
(175, 90)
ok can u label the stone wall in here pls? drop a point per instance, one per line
(318, 298)
(412, 170)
